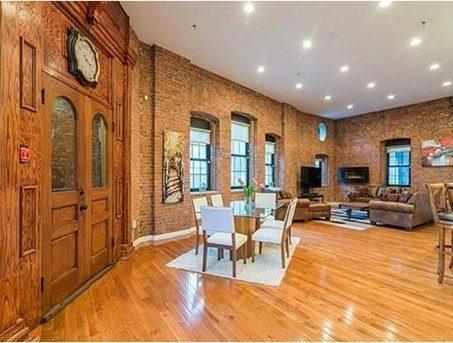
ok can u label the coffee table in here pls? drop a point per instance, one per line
(355, 205)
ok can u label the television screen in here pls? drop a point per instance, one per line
(310, 177)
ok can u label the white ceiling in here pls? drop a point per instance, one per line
(373, 41)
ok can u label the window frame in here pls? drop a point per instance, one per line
(272, 164)
(206, 160)
(408, 166)
(246, 156)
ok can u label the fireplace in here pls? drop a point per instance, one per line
(347, 175)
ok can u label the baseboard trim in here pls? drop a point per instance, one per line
(18, 332)
(163, 238)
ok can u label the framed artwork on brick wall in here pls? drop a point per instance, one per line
(173, 171)
(437, 153)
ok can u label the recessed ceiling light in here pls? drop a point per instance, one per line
(327, 97)
(307, 44)
(350, 106)
(446, 83)
(391, 97)
(344, 68)
(248, 7)
(370, 85)
(261, 69)
(299, 85)
(415, 41)
(434, 66)
(385, 3)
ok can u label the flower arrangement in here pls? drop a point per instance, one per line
(251, 189)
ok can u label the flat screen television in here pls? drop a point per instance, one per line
(310, 177)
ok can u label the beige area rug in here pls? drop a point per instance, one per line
(267, 269)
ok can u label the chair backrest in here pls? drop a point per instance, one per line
(290, 213)
(266, 200)
(197, 204)
(449, 187)
(436, 192)
(217, 219)
(216, 200)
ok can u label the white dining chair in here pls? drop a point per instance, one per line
(266, 200)
(216, 200)
(219, 222)
(276, 235)
(196, 208)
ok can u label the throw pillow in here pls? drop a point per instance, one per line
(404, 196)
(390, 194)
(362, 191)
(373, 191)
(380, 192)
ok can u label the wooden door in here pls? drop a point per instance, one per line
(64, 183)
(99, 221)
(77, 233)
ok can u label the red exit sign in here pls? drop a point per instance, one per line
(24, 154)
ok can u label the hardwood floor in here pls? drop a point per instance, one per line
(378, 284)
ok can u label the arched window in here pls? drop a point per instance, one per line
(398, 169)
(98, 152)
(240, 150)
(200, 154)
(63, 145)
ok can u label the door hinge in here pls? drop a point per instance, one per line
(113, 242)
(42, 284)
(113, 127)
(43, 96)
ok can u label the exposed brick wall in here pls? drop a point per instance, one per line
(142, 141)
(181, 88)
(302, 144)
(359, 140)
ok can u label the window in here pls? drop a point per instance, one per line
(321, 161)
(398, 163)
(200, 155)
(98, 152)
(269, 160)
(240, 140)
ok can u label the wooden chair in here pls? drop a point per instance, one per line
(196, 208)
(217, 200)
(277, 235)
(442, 219)
(219, 222)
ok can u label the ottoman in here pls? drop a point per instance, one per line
(317, 210)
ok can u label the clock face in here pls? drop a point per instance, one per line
(86, 59)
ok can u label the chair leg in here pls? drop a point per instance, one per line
(219, 254)
(244, 252)
(197, 241)
(441, 265)
(261, 247)
(205, 256)
(282, 253)
(290, 234)
(451, 260)
(233, 253)
(287, 246)
(253, 252)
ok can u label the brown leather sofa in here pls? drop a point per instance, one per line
(305, 210)
(416, 211)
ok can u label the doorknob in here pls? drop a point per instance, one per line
(83, 207)
(81, 191)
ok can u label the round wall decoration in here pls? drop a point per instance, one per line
(322, 132)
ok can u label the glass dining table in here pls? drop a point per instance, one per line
(248, 217)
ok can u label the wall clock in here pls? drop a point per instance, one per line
(83, 58)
